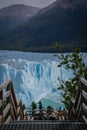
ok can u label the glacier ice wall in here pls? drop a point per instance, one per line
(33, 80)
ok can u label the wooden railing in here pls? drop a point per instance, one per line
(61, 114)
(46, 115)
(11, 109)
(78, 106)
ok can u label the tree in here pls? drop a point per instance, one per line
(72, 61)
(34, 106)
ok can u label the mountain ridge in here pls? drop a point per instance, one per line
(17, 8)
(64, 4)
(64, 25)
(14, 15)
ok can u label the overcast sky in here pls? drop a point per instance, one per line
(37, 3)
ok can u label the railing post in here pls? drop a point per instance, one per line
(1, 106)
(9, 98)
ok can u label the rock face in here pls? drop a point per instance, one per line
(14, 15)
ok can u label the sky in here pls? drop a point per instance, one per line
(36, 3)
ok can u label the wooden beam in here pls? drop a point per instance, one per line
(78, 104)
(13, 114)
(1, 119)
(8, 119)
(18, 101)
(13, 105)
(13, 94)
(21, 113)
(84, 94)
(18, 109)
(18, 119)
(84, 81)
(6, 95)
(84, 107)
(25, 117)
(1, 102)
(84, 118)
(24, 112)
(5, 84)
(6, 110)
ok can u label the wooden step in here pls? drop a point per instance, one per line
(44, 125)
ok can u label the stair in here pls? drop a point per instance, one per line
(44, 125)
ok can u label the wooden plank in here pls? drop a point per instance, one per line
(21, 113)
(13, 94)
(18, 110)
(78, 104)
(1, 102)
(6, 110)
(84, 94)
(0, 119)
(14, 106)
(18, 119)
(25, 117)
(84, 118)
(84, 81)
(24, 112)
(84, 107)
(18, 101)
(6, 95)
(13, 114)
(8, 120)
(3, 85)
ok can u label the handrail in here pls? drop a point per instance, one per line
(5, 84)
(78, 108)
(9, 106)
(6, 110)
(6, 95)
(84, 81)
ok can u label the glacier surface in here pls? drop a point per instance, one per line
(34, 76)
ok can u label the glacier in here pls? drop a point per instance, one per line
(34, 76)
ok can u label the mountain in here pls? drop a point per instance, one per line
(65, 4)
(14, 15)
(64, 21)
